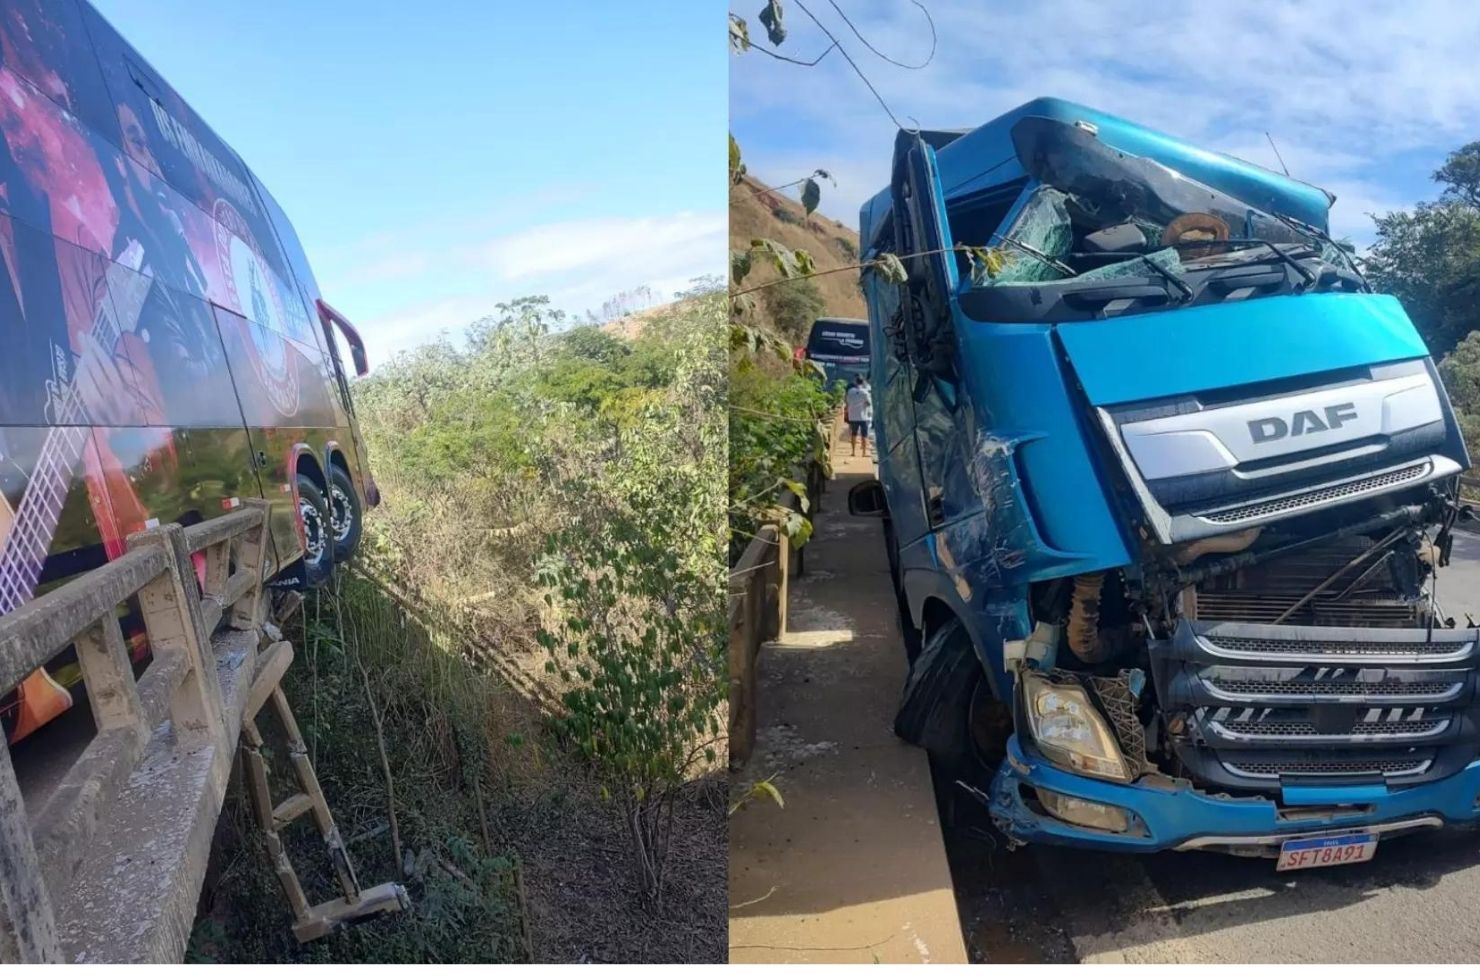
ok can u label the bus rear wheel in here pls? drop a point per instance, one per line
(318, 552)
(345, 514)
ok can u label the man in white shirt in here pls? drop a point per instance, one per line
(858, 409)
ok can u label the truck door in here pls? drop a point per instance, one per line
(927, 326)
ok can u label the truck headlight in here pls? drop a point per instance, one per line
(1069, 731)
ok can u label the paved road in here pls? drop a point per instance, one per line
(1417, 901)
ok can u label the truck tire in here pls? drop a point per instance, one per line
(313, 512)
(907, 629)
(346, 514)
(949, 710)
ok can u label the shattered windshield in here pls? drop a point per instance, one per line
(1097, 215)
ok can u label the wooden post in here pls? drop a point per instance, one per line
(173, 621)
(246, 613)
(218, 561)
(742, 719)
(783, 581)
(111, 692)
(260, 797)
(28, 931)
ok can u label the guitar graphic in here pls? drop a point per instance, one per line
(25, 548)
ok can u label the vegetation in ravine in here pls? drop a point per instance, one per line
(514, 696)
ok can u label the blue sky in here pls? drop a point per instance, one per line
(438, 157)
(1362, 99)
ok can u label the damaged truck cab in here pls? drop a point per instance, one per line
(1165, 489)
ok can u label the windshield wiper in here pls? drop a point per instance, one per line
(1295, 224)
(1284, 256)
(1171, 277)
(1063, 267)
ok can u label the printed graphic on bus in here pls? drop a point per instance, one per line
(163, 353)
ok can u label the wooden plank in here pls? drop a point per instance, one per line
(291, 809)
(109, 675)
(175, 624)
(339, 913)
(242, 581)
(43, 627)
(246, 610)
(218, 567)
(158, 685)
(783, 587)
(210, 613)
(28, 931)
(274, 664)
(201, 536)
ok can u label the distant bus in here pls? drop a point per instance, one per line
(164, 351)
(840, 346)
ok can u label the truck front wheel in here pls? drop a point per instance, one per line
(949, 709)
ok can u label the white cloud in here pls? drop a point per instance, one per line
(1344, 90)
(654, 244)
(578, 264)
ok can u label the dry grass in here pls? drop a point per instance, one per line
(752, 215)
(580, 885)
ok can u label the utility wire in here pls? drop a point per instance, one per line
(930, 22)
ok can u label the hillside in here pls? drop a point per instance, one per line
(630, 327)
(754, 213)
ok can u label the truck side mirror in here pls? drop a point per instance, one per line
(866, 499)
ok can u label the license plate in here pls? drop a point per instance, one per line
(1323, 852)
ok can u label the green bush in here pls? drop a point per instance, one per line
(778, 422)
(792, 306)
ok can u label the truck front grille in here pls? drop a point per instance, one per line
(1267, 770)
(1252, 704)
(1315, 650)
(1310, 689)
(1334, 493)
(1257, 728)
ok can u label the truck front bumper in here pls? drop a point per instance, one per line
(1183, 818)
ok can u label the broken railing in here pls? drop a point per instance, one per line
(107, 865)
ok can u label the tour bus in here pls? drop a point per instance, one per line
(840, 346)
(166, 352)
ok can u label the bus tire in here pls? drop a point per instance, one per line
(346, 521)
(313, 512)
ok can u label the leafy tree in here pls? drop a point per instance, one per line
(1461, 373)
(1460, 175)
(1430, 257)
(793, 305)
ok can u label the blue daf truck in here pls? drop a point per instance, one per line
(1165, 489)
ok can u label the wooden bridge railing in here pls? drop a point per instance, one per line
(760, 583)
(55, 888)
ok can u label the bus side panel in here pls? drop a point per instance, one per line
(286, 404)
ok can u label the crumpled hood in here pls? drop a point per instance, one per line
(1232, 416)
(1204, 348)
